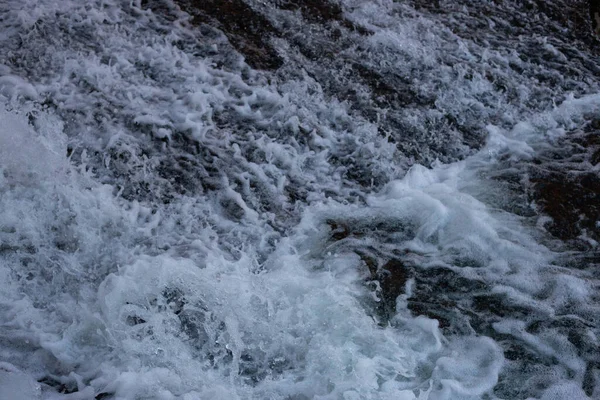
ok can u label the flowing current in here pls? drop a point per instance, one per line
(296, 199)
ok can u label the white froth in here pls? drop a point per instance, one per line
(27, 158)
(16, 385)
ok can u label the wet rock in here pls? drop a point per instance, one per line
(392, 279)
(339, 229)
(384, 230)
(252, 367)
(133, 320)
(573, 202)
(247, 30)
(162, 7)
(518, 352)
(591, 378)
(175, 299)
(595, 15)
(390, 282)
(192, 324)
(566, 190)
(437, 293)
(390, 90)
(465, 306)
(315, 10)
(444, 295)
(60, 387)
(497, 305)
(319, 11)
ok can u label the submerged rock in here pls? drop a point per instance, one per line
(566, 186)
(595, 15)
(247, 30)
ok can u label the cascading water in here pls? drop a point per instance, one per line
(296, 199)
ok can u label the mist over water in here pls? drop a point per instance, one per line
(298, 199)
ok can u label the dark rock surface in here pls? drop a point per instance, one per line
(595, 15)
(566, 186)
(322, 37)
(248, 30)
(464, 306)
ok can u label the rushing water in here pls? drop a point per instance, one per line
(299, 199)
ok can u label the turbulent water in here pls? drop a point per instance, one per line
(295, 199)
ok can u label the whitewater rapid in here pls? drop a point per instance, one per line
(178, 224)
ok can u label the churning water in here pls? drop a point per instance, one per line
(297, 199)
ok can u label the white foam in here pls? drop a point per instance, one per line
(28, 158)
(564, 390)
(12, 86)
(16, 385)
